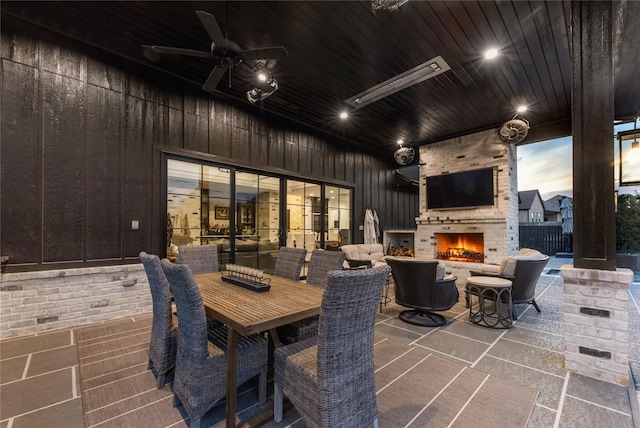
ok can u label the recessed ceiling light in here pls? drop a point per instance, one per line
(522, 109)
(400, 142)
(344, 115)
(491, 53)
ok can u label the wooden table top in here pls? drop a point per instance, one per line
(248, 311)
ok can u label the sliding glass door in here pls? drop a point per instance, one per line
(249, 215)
(257, 201)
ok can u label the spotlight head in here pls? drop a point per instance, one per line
(262, 91)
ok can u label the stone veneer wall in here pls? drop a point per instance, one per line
(596, 322)
(32, 302)
(498, 223)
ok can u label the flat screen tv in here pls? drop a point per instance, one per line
(460, 189)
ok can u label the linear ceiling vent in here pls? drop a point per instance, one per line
(417, 74)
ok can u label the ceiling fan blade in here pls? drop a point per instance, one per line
(178, 51)
(211, 25)
(214, 79)
(276, 52)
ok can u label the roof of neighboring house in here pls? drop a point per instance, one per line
(553, 204)
(526, 198)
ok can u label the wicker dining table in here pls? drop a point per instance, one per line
(246, 312)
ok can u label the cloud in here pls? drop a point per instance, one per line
(546, 166)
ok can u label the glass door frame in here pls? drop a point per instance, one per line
(283, 179)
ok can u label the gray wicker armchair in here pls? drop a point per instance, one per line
(416, 287)
(164, 332)
(320, 264)
(330, 378)
(523, 282)
(201, 366)
(200, 258)
(289, 263)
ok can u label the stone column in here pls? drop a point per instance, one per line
(596, 322)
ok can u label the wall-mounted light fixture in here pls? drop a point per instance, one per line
(629, 156)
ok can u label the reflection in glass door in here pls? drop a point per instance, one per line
(304, 214)
(241, 212)
(338, 231)
(257, 220)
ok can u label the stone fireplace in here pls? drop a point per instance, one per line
(465, 237)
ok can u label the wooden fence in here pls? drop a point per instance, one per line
(545, 237)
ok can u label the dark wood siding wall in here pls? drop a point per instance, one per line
(82, 137)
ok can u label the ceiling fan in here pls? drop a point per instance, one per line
(224, 53)
(514, 130)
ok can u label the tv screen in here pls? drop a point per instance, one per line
(460, 189)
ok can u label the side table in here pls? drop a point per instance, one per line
(489, 289)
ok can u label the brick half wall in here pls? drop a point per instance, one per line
(32, 302)
(596, 323)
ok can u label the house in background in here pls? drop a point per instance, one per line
(530, 207)
(552, 210)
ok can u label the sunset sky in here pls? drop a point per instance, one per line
(547, 166)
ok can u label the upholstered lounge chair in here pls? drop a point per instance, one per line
(371, 252)
(330, 378)
(419, 287)
(523, 270)
(164, 331)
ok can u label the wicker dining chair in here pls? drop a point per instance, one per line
(200, 258)
(289, 263)
(164, 332)
(201, 366)
(320, 264)
(330, 378)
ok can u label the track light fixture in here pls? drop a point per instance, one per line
(266, 84)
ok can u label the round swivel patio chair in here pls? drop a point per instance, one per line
(417, 287)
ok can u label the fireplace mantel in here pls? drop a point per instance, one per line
(459, 220)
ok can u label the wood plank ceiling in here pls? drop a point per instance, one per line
(337, 49)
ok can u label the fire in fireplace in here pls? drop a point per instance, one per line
(461, 247)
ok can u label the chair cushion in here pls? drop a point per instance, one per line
(494, 269)
(508, 265)
(441, 271)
